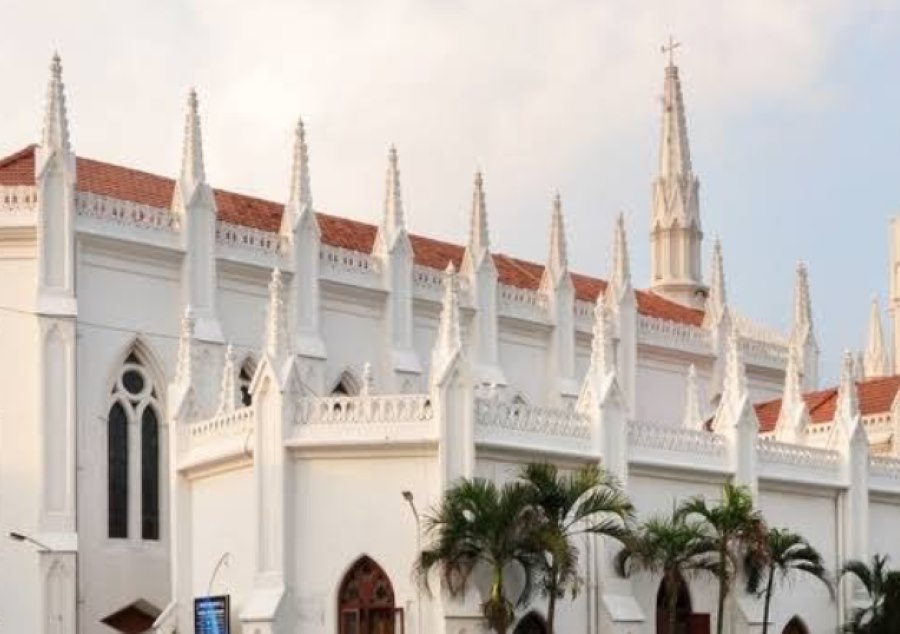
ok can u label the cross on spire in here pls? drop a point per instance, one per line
(669, 49)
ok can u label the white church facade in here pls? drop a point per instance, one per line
(212, 394)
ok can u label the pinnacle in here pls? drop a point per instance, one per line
(479, 239)
(674, 154)
(300, 196)
(693, 418)
(393, 201)
(193, 172)
(55, 134)
(558, 260)
(875, 361)
(601, 346)
(717, 291)
(621, 272)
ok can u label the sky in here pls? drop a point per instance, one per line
(792, 114)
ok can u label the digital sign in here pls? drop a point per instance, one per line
(211, 615)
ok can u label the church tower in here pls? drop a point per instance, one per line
(675, 233)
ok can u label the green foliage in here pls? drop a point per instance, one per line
(734, 526)
(882, 614)
(781, 554)
(479, 523)
(588, 501)
(675, 547)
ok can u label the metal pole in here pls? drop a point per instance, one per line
(408, 496)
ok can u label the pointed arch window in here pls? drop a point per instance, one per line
(245, 377)
(133, 438)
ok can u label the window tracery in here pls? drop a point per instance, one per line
(133, 434)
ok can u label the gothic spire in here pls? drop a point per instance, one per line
(449, 339)
(802, 325)
(875, 362)
(791, 399)
(735, 383)
(394, 222)
(602, 358)
(479, 240)
(693, 417)
(676, 234)
(620, 277)
(717, 299)
(193, 172)
(184, 371)
(277, 342)
(301, 194)
(674, 152)
(55, 134)
(228, 392)
(558, 261)
(847, 407)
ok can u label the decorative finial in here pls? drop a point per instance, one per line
(228, 392)
(620, 277)
(669, 50)
(185, 364)
(479, 238)
(368, 384)
(602, 359)
(558, 262)
(55, 134)
(193, 171)
(277, 344)
(393, 201)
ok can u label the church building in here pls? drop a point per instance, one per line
(209, 394)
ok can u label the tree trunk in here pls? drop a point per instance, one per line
(672, 585)
(768, 601)
(720, 621)
(551, 600)
(551, 611)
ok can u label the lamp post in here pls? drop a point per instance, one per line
(408, 496)
(223, 561)
(22, 537)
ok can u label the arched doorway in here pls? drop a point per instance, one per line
(531, 623)
(366, 601)
(686, 621)
(795, 626)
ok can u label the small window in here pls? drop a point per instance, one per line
(244, 378)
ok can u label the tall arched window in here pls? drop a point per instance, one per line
(133, 434)
(795, 626)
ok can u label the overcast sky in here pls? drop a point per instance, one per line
(793, 114)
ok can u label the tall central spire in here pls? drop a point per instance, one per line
(676, 234)
(675, 151)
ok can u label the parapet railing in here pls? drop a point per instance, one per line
(675, 439)
(518, 417)
(364, 410)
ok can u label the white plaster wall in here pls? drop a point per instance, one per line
(884, 529)
(118, 298)
(346, 508)
(20, 466)
(366, 344)
(523, 358)
(811, 514)
(661, 390)
(222, 522)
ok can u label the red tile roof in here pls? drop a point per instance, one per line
(123, 183)
(875, 397)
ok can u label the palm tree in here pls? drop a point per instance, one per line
(882, 615)
(478, 523)
(673, 546)
(734, 525)
(587, 501)
(782, 552)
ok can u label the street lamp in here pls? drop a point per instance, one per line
(223, 561)
(22, 537)
(408, 496)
